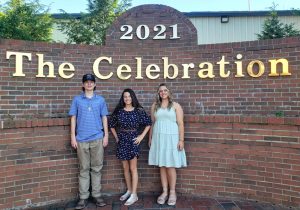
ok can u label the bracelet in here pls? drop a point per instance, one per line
(181, 140)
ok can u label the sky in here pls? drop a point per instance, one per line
(76, 6)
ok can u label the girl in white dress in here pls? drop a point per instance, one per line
(166, 142)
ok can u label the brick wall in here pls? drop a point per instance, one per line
(235, 145)
(254, 158)
(251, 158)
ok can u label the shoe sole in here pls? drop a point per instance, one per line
(129, 204)
(101, 204)
(80, 208)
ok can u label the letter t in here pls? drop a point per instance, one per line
(19, 62)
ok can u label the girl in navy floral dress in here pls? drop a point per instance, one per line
(125, 123)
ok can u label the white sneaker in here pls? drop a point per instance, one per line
(125, 196)
(132, 199)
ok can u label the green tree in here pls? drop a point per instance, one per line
(91, 27)
(26, 21)
(273, 28)
(296, 11)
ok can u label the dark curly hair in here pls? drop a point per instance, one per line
(121, 104)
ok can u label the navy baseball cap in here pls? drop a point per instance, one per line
(88, 77)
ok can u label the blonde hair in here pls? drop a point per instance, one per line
(158, 99)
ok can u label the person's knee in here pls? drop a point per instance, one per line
(85, 167)
(133, 169)
(126, 170)
(125, 166)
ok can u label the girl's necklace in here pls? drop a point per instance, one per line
(128, 109)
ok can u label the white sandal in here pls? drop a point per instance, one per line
(162, 198)
(125, 196)
(132, 199)
(172, 200)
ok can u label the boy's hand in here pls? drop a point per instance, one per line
(105, 141)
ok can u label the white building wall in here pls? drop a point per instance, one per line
(211, 30)
(57, 35)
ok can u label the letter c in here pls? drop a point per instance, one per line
(96, 67)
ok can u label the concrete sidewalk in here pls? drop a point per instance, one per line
(148, 202)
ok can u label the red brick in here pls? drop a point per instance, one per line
(235, 145)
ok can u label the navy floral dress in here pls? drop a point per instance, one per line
(128, 125)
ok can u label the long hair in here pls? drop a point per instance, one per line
(158, 99)
(121, 104)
